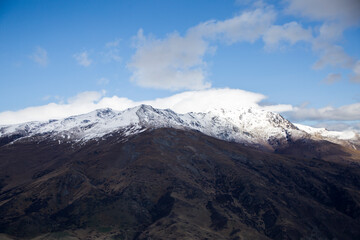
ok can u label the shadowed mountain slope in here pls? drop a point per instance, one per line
(177, 184)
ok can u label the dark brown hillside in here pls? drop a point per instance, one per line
(176, 184)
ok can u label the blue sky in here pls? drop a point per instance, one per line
(302, 54)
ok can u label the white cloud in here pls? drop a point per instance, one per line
(40, 56)
(205, 100)
(290, 32)
(177, 62)
(248, 26)
(335, 17)
(349, 112)
(83, 58)
(356, 76)
(82, 103)
(339, 126)
(331, 32)
(332, 55)
(84, 98)
(190, 101)
(344, 11)
(332, 78)
(172, 63)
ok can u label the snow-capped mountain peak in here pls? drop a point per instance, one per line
(247, 125)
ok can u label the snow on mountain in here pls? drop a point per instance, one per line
(248, 126)
(349, 138)
(324, 133)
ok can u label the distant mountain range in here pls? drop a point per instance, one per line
(146, 173)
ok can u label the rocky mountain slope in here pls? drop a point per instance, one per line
(171, 183)
(146, 173)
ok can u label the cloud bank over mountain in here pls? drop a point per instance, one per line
(189, 101)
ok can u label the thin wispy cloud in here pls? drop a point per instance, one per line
(356, 76)
(57, 98)
(40, 56)
(112, 51)
(46, 98)
(332, 55)
(83, 58)
(113, 43)
(103, 81)
(332, 78)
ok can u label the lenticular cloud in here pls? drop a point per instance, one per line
(190, 101)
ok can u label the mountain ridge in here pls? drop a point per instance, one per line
(248, 126)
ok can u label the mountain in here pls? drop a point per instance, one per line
(248, 126)
(347, 138)
(146, 173)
